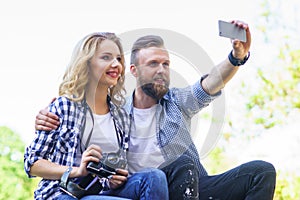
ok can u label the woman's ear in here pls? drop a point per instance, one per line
(133, 70)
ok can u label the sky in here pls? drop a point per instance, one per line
(37, 39)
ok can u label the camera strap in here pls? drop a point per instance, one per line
(120, 134)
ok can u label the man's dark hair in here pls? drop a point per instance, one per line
(143, 43)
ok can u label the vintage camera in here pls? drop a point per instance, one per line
(108, 164)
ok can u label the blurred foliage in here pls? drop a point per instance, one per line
(217, 162)
(14, 182)
(288, 186)
(279, 83)
(278, 93)
(287, 183)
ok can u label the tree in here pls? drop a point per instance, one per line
(278, 97)
(272, 97)
(14, 182)
(279, 91)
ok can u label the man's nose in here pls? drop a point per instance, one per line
(161, 68)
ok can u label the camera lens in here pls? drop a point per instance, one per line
(113, 158)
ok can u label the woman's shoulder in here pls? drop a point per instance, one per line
(63, 103)
(62, 100)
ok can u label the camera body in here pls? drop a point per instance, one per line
(108, 164)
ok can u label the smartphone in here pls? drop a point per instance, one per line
(232, 31)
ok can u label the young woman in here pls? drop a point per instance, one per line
(92, 122)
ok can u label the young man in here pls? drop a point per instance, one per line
(160, 131)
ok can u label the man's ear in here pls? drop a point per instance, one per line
(133, 70)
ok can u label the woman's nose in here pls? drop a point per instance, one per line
(115, 62)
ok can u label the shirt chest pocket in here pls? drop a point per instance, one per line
(67, 141)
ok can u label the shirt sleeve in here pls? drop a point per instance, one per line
(200, 94)
(44, 142)
(193, 98)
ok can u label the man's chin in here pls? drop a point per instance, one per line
(156, 91)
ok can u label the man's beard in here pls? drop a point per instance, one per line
(156, 91)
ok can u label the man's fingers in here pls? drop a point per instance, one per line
(49, 124)
(42, 128)
(46, 121)
(47, 118)
(48, 114)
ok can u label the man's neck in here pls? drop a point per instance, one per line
(142, 101)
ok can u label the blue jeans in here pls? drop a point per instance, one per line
(183, 178)
(149, 184)
(250, 181)
(90, 197)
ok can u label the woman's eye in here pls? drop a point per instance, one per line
(106, 57)
(119, 59)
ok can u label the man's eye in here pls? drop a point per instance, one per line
(166, 65)
(153, 64)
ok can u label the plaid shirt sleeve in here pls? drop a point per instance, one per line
(57, 146)
(49, 145)
(193, 98)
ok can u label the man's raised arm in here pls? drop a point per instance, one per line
(223, 72)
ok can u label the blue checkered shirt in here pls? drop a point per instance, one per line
(60, 146)
(173, 114)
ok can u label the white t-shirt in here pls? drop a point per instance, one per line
(144, 151)
(104, 133)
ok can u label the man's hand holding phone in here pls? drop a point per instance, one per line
(232, 31)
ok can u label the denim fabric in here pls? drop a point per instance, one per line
(150, 184)
(183, 178)
(90, 197)
(254, 180)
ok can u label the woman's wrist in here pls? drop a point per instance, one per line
(75, 172)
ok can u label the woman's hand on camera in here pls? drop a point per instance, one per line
(92, 154)
(116, 181)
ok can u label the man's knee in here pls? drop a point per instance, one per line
(185, 163)
(260, 166)
(183, 178)
(261, 171)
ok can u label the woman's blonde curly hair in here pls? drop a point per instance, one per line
(75, 79)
